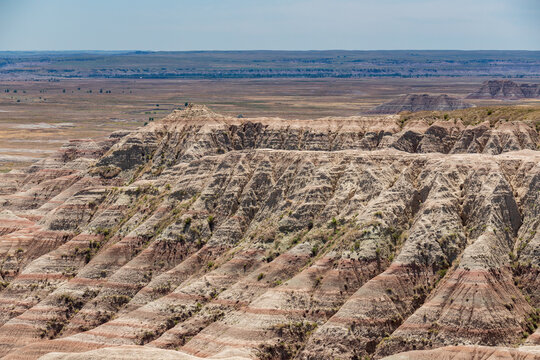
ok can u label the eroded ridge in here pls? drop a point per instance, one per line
(202, 235)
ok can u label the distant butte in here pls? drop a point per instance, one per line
(417, 102)
(505, 90)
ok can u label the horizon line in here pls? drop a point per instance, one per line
(261, 50)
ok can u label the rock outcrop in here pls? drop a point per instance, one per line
(206, 236)
(417, 102)
(505, 90)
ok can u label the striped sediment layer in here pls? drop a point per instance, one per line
(204, 236)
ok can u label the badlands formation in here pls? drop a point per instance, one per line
(417, 102)
(506, 90)
(206, 236)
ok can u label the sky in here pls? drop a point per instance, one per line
(269, 24)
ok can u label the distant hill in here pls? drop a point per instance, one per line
(505, 89)
(267, 64)
(417, 102)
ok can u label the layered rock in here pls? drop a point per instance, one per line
(420, 102)
(274, 239)
(505, 90)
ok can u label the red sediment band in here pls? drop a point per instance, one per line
(460, 330)
(45, 276)
(30, 217)
(87, 281)
(141, 313)
(113, 325)
(108, 336)
(16, 302)
(39, 348)
(19, 328)
(86, 235)
(277, 312)
(231, 303)
(239, 341)
(184, 296)
(362, 322)
(118, 285)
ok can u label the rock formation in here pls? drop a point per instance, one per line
(416, 102)
(266, 238)
(505, 90)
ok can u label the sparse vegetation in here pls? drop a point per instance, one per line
(292, 339)
(210, 221)
(187, 223)
(314, 250)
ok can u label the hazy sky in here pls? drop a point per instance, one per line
(269, 24)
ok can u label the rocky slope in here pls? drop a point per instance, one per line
(204, 236)
(417, 102)
(505, 90)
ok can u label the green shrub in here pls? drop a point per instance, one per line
(314, 250)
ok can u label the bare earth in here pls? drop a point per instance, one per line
(204, 235)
